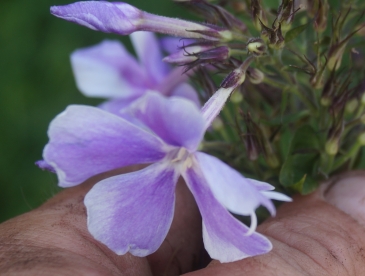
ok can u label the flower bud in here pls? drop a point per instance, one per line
(256, 46)
(255, 75)
(361, 139)
(286, 12)
(335, 56)
(236, 97)
(258, 13)
(334, 136)
(124, 19)
(217, 124)
(351, 106)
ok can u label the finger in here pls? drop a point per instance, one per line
(319, 234)
(182, 249)
(53, 240)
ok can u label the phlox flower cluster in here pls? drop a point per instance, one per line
(151, 116)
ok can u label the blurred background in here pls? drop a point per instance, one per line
(36, 83)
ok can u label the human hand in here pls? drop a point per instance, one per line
(310, 237)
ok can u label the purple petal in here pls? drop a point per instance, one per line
(133, 212)
(230, 188)
(150, 56)
(116, 106)
(104, 16)
(225, 238)
(186, 91)
(85, 141)
(107, 70)
(175, 120)
(276, 196)
(45, 166)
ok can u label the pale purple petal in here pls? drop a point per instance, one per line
(230, 188)
(85, 141)
(262, 186)
(175, 120)
(116, 106)
(186, 91)
(215, 104)
(102, 16)
(107, 70)
(150, 56)
(225, 238)
(276, 196)
(133, 212)
(45, 166)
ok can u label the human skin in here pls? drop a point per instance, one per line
(319, 234)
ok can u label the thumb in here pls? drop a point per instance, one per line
(319, 234)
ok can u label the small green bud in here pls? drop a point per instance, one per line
(217, 124)
(335, 56)
(351, 106)
(331, 147)
(361, 139)
(325, 101)
(256, 46)
(236, 97)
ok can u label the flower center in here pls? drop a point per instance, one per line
(181, 158)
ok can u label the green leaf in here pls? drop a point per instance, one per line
(293, 33)
(305, 140)
(298, 172)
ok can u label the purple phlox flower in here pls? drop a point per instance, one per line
(109, 71)
(124, 19)
(133, 212)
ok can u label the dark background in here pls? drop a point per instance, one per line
(36, 83)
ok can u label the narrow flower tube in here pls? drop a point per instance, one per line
(214, 105)
(124, 19)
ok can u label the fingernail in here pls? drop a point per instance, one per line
(347, 193)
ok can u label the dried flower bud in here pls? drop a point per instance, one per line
(255, 75)
(335, 56)
(256, 46)
(286, 12)
(258, 13)
(320, 22)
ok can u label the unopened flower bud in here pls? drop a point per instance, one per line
(331, 147)
(258, 13)
(334, 136)
(361, 139)
(237, 97)
(335, 56)
(351, 105)
(256, 46)
(217, 124)
(255, 75)
(286, 12)
(320, 22)
(124, 19)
